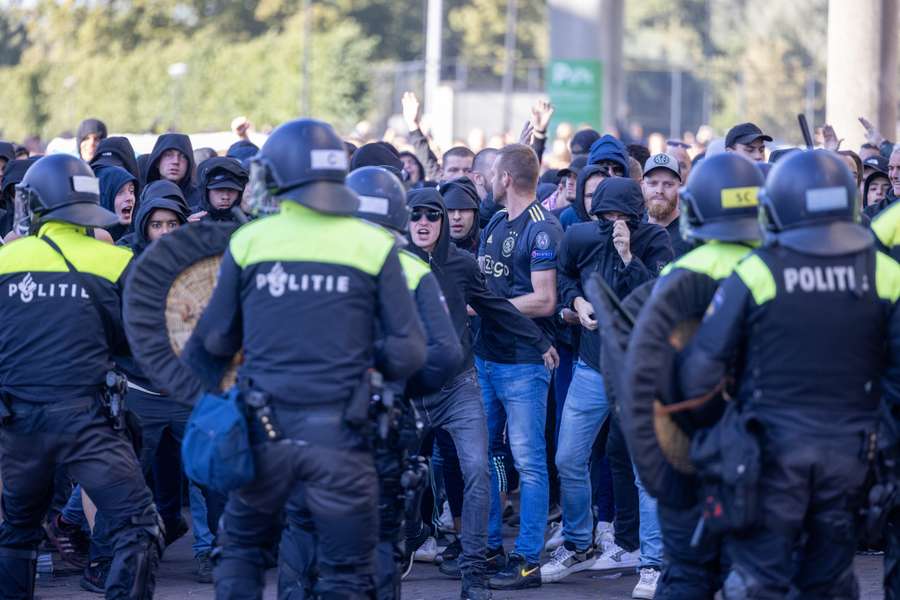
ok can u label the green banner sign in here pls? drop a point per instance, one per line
(575, 88)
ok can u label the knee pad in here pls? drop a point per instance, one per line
(138, 550)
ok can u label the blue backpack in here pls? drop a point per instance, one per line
(216, 450)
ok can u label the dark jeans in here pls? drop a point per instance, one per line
(624, 489)
(810, 489)
(457, 409)
(688, 573)
(892, 558)
(163, 422)
(451, 473)
(320, 470)
(75, 434)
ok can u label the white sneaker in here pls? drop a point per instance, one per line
(446, 518)
(555, 538)
(427, 552)
(564, 562)
(615, 559)
(604, 536)
(646, 587)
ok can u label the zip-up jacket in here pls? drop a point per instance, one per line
(587, 248)
(444, 352)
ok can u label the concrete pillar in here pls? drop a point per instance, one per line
(862, 67)
(592, 30)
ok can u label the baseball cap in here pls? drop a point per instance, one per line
(224, 181)
(744, 134)
(582, 141)
(574, 167)
(876, 163)
(662, 161)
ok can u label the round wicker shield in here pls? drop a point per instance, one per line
(169, 287)
(656, 420)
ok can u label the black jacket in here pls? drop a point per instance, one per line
(444, 352)
(12, 175)
(159, 194)
(182, 143)
(207, 172)
(117, 151)
(587, 248)
(462, 282)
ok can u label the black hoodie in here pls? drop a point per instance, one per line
(159, 194)
(117, 151)
(461, 194)
(14, 173)
(220, 171)
(86, 128)
(462, 283)
(182, 143)
(587, 248)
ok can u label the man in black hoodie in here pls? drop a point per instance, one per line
(625, 252)
(172, 159)
(461, 200)
(90, 133)
(161, 210)
(117, 151)
(222, 182)
(457, 407)
(7, 155)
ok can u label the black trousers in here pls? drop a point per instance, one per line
(810, 491)
(320, 471)
(688, 573)
(74, 434)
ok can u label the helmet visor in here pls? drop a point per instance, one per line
(261, 201)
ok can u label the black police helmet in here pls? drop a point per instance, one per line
(720, 202)
(304, 161)
(382, 197)
(809, 204)
(60, 187)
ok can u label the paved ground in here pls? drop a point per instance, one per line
(176, 582)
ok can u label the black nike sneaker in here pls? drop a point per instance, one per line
(519, 574)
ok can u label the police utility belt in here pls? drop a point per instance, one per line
(217, 450)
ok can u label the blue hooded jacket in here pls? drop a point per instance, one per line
(111, 181)
(609, 148)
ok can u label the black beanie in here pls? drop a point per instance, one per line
(377, 154)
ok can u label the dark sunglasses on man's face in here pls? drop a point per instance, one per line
(433, 215)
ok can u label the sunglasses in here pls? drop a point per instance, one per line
(678, 144)
(433, 215)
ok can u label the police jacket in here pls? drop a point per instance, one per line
(587, 248)
(815, 334)
(462, 283)
(886, 228)
(444, 352)
(302, 293)
(55, 344)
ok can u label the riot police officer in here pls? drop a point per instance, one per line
(718, 211)
(62, 320)
(302, 292)
(811, 312)
(402, 476)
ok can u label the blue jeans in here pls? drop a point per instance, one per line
(583, 415)
(203, 537)
(456, 410)
(651, 537)
(515, 399)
